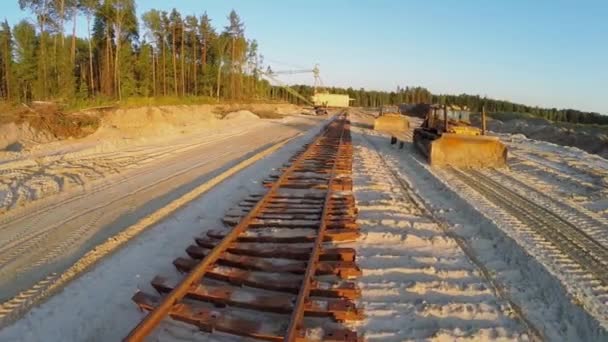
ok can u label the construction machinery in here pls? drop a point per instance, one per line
(320, 99)
(390, 120)
(449, 139)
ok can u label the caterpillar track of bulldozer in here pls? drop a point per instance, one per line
(390, 119)
(452, 141)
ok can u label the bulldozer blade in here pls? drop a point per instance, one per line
(391, 123)
(462, 150)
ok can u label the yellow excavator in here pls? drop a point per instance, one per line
(449, 139)
(390, 119)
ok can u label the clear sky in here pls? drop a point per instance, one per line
(551, 53)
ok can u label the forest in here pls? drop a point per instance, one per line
(164, 54)
(159, 54)
(370, 98)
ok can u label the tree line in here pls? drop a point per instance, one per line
(159, 54)
(165, 53)
(475, 102)
(372, 98)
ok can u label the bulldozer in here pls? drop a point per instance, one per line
(391, 120)
(450, 140)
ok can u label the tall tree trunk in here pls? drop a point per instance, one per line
(42, 22)
(164, 69)
(90, 56)
(174, 57)
(61, 20)
(7, 67)
(204, 55)
(74, 38)
(219, 75)
(109, 88)
(117, 70)
(232, 67)
(56, 62)
(153, 72)
(194, 64)
(182, 58)
(204, 64)
(117, 61)
(60, 61)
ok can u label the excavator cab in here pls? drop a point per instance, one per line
(449, 139)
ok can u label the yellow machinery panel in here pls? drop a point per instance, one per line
(391, 123)
(331, 100)
(461, 150)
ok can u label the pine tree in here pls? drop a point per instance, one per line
(143, 70)
(42, 10)
(103, 37)
(125, 26)
(26, 60)
(88, 8)
(153, 24)
(192, 42)
(208, 44)
(175, 20)
(6, 61)
(235, 31)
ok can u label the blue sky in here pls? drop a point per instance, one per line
(551, 53)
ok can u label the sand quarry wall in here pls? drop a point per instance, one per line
(588, 138)
(13, 136)
(142, 122)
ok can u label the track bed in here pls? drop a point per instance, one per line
(277, 274)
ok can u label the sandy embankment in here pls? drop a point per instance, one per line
(133, 123)
(149, 123)
(35, 163)
(589, 138)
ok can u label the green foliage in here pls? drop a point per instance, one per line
(26, 61)
(7, 78)
(176, 55)
(497, 108)
(176, 59)
(475, 102)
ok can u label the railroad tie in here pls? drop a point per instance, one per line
(276, 265)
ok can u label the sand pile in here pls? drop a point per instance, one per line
(262, 110)
(148, 122)
(241, 115)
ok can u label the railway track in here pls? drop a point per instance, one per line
(583, 249)
(584, 219)
(277, 274)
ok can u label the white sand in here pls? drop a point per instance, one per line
(97, 306)
(418, 283)
(557, 302)
(75, 195)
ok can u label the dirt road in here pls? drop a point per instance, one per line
(43, 237)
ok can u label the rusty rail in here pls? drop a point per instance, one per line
(315, 169)
(297, 315)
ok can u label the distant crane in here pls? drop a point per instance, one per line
(318, 83)
(315, 71)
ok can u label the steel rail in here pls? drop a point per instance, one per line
(297, 314)
(580, 247)
(571, 212)
(147, 325)
(579, 235)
